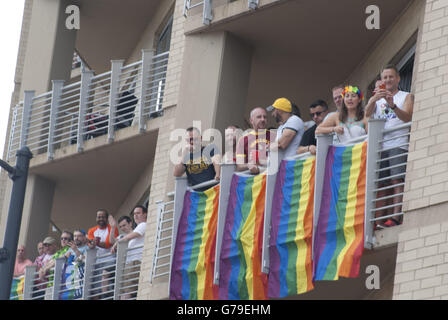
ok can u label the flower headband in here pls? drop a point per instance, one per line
(354, 90)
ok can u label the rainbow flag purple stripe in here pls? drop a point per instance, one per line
(291, 267)
(194, 253)
(339, 237)
(241, 277)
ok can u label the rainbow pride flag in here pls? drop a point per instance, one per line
(290, 251)
(17, 288)
(194, 254)
(240, 265)
(339, 237)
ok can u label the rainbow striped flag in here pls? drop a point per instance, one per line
(240, 265)
(339, 237)
(194, 254)
(17, 288)
(290, 251)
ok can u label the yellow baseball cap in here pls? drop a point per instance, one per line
(281, 104)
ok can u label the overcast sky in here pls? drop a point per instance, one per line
(11, 12)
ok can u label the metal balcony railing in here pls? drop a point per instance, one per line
(207, 5)
(97, 105)
(106, 277)
(375, 138)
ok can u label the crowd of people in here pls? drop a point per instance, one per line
(249, 150)
(74, 245)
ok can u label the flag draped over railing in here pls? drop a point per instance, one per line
(291, 267)
(339, 236)
(240, 265)
(17, 288)
(72, 279)
(194, 253)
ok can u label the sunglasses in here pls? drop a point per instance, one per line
(315, 114)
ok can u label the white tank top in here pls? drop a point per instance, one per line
(382, 112)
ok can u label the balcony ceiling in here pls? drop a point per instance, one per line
(310, 45)
(111, 29)
(98, 178)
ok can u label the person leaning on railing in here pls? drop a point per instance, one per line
(136, 240)
(396, 107)
(318, 112)
(350, 122)
(200, 163)
(252, 147)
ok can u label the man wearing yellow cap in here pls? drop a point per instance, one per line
(291, 127)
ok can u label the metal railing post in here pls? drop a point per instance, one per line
(146, 66)
(30, 271)
(179, 195)
(119, 267)
(86, 78)
(58, 267)
(54, 109)
(160, 207)
(207, 15)
(375, 135)
(323, 142)
(113, 97)
(227, 171)
(271, 178)
(88, 272)
(27, 103)
(252, 4)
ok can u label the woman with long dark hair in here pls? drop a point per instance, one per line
(350, 122)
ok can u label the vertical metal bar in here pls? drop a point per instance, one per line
(30, 271)
(55, 102)
(160, 211)
(58, 267)
(27, 103)
(252, 4)
(179, 195)
(323, 142)
(207, 15)
(147, 56)
(86, 78)
(227, 171)
(119, 267)
(88, 273)
(271, 178)
(375, 134)
(113, 97)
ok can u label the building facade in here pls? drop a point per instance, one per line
(220, 60)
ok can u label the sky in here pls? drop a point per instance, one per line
(11, 12)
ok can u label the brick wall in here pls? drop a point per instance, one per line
(422, 263)
(427, 175)
(162, 178)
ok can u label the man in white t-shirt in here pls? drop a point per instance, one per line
(136, 240)
(291, 128)
(396, 107)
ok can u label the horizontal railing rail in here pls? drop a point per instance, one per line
(98, 105)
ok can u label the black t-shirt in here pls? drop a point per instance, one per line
(199, 166)
(309, 137)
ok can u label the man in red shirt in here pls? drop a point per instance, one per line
(251, 151)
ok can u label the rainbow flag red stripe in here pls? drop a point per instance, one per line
(194, 253)
(291, 265)
(339, 237)
(240, 265)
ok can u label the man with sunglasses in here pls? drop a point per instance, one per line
(66, 237)
(318, 112)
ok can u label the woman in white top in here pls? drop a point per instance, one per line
(350, 122)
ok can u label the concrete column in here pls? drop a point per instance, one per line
(36, 212)
(215, 82)
(50, 46)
